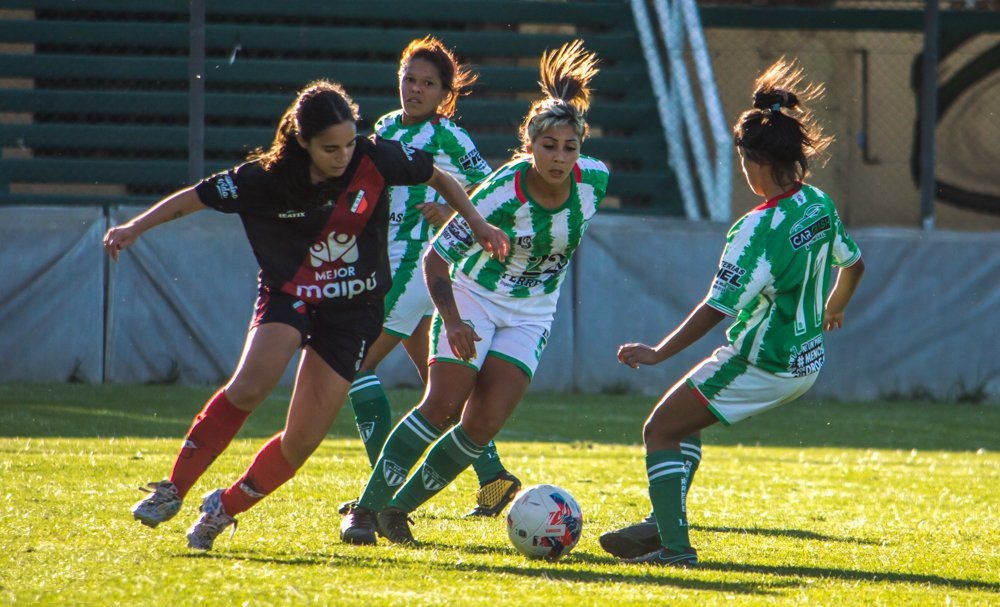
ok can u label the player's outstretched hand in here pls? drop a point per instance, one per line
(493, 240)
(462, 338)
(634, 355)
(436, 213)
(120, 238)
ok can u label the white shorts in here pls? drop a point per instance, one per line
(733, 389)
(519, 342)
(407, 302)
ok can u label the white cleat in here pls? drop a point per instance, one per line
(211, 523)
(159, 506)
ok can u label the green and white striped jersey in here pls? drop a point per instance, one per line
(542, 241)
(774, 275)
(453, 151)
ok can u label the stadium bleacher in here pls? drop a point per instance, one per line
(94, 95)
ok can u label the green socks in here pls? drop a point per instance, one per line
(453, 453)
(667, 492)
(408, 441)
(691, 450)
(488, 465)
(371, 411)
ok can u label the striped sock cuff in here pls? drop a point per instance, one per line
(367, 380)
(465, 444)
(422, 428)
(664, 465)
(691, 449)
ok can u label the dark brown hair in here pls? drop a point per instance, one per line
(779, 131)
(565, 80)
(455, 77)
(320, 105)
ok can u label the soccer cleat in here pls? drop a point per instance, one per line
(159, 506)
(345, 507)
(665, 557)
(211, 523)
(493, 496)
(394, 525)
(358, 526)
(632, 541)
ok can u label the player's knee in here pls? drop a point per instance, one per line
(247, 394)
(442, 413)
(297, 447)
(480, 430)
(656, 432)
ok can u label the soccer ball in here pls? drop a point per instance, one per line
(544, 522)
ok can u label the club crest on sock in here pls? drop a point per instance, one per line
(394, 473)
(366, 429)
(431, 479)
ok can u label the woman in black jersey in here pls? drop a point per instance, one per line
(315, 209)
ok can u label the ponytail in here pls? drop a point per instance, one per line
(565, 76)
(779, 130)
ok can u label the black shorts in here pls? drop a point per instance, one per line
(341, 336)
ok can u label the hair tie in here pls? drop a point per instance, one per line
(776, 107)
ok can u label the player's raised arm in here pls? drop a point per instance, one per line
(178, 204)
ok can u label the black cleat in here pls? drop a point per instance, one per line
(665, 557)
(632, 541)
(394, 525)
(345, 508)
(358, 526)
(493, 496)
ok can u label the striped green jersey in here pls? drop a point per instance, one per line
(542, 241)
(774, 275)
(453, 151)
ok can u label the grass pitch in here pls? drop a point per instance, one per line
(813, 504)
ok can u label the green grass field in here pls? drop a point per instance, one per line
(814, 504)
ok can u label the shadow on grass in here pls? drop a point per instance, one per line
(851, 575)
(563, 571)
(792, 533)
(631, 574)
(148, 411)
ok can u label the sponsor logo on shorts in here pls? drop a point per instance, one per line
(541, 344)
(225, 186)
(431, 479)
(291, 214)
(394, 473)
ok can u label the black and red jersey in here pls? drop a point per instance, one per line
(330, 249)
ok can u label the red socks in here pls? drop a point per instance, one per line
(268, 471)
(210, 434)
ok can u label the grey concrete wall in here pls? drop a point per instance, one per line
(177, 306)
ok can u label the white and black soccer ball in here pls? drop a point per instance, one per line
(544, 522)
